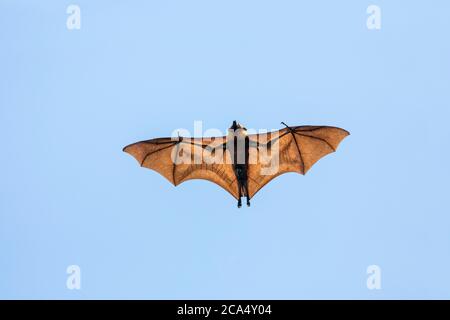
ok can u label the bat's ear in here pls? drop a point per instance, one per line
(234, 126)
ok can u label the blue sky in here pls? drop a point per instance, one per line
(71, 99)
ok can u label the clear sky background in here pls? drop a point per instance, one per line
(71, 99)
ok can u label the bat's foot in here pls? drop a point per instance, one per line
(239, 203)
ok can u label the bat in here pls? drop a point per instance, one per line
(239, 162)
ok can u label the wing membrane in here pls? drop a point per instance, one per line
(180, 160)
(297, 148)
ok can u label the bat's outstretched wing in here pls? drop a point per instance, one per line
(182, 159)
(297, 149)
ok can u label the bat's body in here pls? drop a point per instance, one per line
(240, 149)
(237, 162)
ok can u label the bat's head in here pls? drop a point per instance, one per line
(237, 129)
